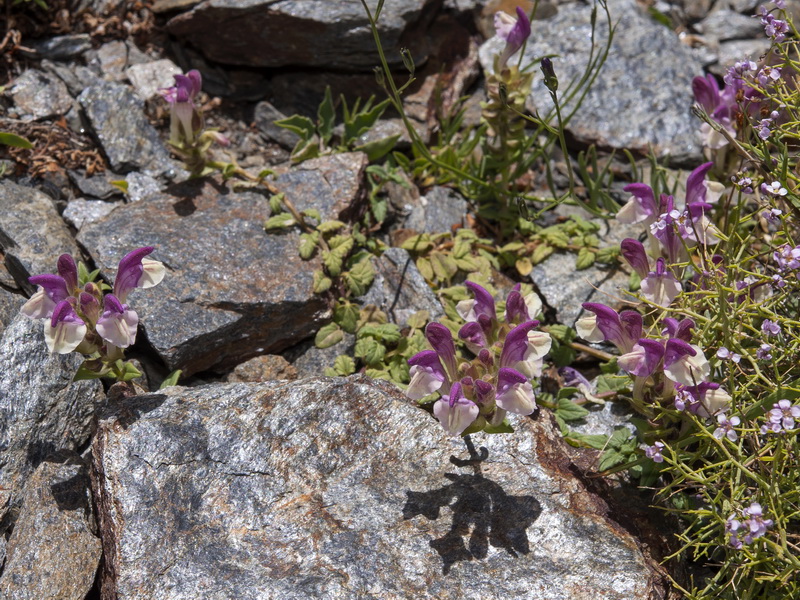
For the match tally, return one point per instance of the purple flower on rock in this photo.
(117, 325)
(635, 255)
(621, 329)
(454, 411)
(660, 286)
(65, 330)
(186, 121)
(427, 375)
(137, 271)
(514, 392)
(513, 31)
(641, 206)
(643, 359)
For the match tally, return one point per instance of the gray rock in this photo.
(147, 78)
(340, 488)
(9, 307)
(96, 186)
(53, 552)
(734, 51)
(76, 77)
(265, 117)
(80, 212)
(440, 209)
(128, 139)
(604, 419)
(565, 289)
(32, 234)
(63, 47)
(310, 361)
(141, 186)
(39, 95)
(232, 291)
(263, 368)
(333, 35)
(112, 59)
(629, 106)
(42, 410)
(333, 184)
(399, 289)
(729, 25)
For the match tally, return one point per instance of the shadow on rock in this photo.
(483, 514)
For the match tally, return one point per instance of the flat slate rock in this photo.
(53, 552)
(317, 33)
(32, 234)
(629, 105)
(127, 138)
(40, 95)
(340, 488)
(232, 291)
(334, 185)
(42, 410)
(399, 289)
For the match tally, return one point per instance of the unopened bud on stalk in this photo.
(408, 60)
(550, 79)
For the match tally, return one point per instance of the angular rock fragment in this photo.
(629, 105)
(42, 410)
(333, 35)
(340, 488)
(399, 289)
(128, 139)
(53, 551)
(333, 184)
(232, 290)
(39, 95)
(32, 234)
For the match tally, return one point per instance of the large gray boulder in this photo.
(232, 291)
(340, 488)
(314, 33)
(42, 411)
(643, 95)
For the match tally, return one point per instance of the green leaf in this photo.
(370, 350)
(129, 372)
(312, 213)
(607, 255)
(612, 383)
(579, 440)
(325, 116)
(171, 380)
(418, 243)
(330, 226)
(419, 319)
(444, 267)
(611, 458)
(504, 427)
(333, 263)
(619, 437)
(308, 244)
(302, 126)
(541, 252)
(10, 139)
(91, 369)
(386, 332)
(279, 221)
(425, 268)
(276, 203)
(321, 282)
(379, 208)
(361, 122)
(328, 335)
(569, 411)
(468, 264)
(377, 149)
(360, 277)
(344, 365)
(585, 259)
(121, 184)
(306, 149)
(346, 315)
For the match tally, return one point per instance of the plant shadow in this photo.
(483, 514)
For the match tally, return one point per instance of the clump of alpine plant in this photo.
(189, 138)
(476, 393)
(92, 318)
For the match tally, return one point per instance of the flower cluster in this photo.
(781, 417)
(79, 316)
(773, 28)
(476, 394)
(749, 526)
